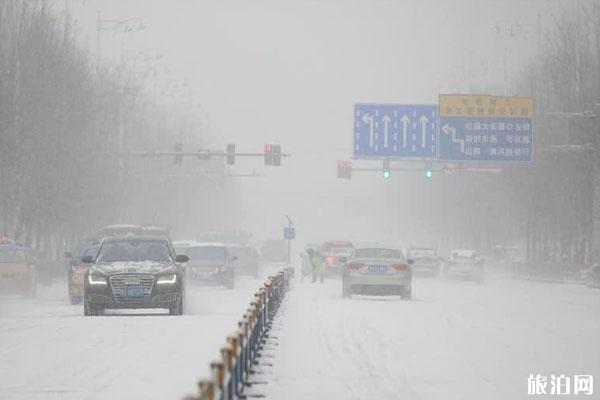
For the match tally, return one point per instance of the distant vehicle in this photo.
(120, 230)
(17, 271)
(156, 230)
(274, 251)
(247, 260)
(377, 271)
(592, 276)
(333, 252)
(426, 261)
(464, 264)
(134, 272)
(181, 246)
(77, 269)
(210, 264)
(239, 237)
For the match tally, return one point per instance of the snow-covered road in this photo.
(48, 350)
(455, 340)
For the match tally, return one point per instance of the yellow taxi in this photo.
(17, 272)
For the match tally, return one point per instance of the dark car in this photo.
(247, 260)
(134, 272)
(210, 264)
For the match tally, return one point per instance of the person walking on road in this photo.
(318, 267)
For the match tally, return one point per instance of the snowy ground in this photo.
(455, 340)
(48, 350)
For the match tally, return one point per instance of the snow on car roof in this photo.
(137, 238)
(208, 244)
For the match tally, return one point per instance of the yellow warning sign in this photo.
(483, 106)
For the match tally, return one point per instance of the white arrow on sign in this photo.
(449, 130)
(405, 120)
(424, 121)
(386, 133)
(368, 119)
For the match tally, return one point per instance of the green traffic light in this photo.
(428, 174)
(386, 174)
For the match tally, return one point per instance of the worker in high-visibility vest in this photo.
(318, 266)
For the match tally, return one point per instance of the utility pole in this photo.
(289, 240)
(595, 240)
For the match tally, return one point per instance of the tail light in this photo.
(329, 260)
(354, 266)
(401, 267)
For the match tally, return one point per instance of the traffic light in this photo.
(428, 171)
(276, 155)
(344, 169)
(230, 156)
(386, 172)
(268, 154)
(178, 148)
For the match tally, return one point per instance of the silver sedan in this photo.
(377, 271)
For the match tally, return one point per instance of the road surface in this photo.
(455, 340)
(48, 350)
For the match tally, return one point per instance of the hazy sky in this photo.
(289, 72)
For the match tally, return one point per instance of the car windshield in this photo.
(207, 254)
(377, 253)
(12, 255)
(134, 250)
(422, 253)
(341, 251)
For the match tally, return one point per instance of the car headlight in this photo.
(96, 280)
(167, 279)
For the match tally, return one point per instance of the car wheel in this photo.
(178, 309)
(90, 309)
(406, 293)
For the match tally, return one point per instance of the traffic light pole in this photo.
(289, 243)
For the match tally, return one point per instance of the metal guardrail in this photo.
(231, 374)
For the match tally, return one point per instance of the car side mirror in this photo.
(68, 254)
(410, 261)
(181, 258)
(87, 260)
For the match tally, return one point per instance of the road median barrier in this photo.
(243, 349)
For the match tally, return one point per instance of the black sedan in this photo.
(134, 272)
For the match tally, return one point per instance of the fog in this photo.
(290, 72)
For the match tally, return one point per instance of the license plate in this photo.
(377, 269)
(132, 291)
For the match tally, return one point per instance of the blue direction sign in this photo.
(485, 128)
(289, 232)
(481, 139)
(395, 130)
